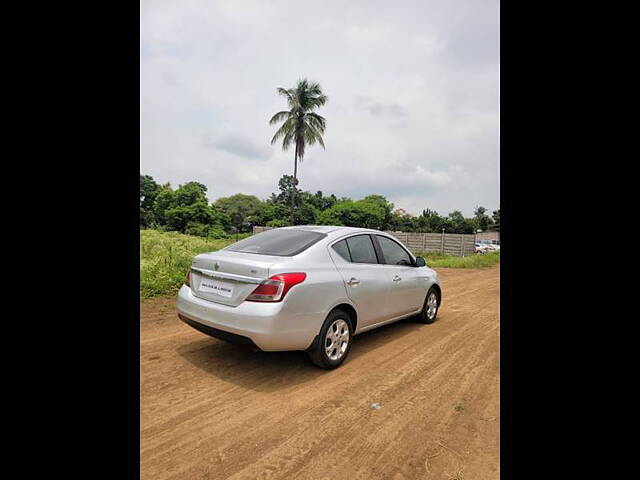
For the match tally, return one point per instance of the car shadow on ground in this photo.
(272, 371)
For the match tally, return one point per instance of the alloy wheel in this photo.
(432, 306)
(337, 339)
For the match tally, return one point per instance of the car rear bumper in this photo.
(267, 326)
(221, 334)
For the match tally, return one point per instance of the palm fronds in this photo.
(300, 124)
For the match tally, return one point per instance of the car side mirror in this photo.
(420, 262)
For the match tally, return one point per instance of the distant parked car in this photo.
(481, 248)
(491, 245)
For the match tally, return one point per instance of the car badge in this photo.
(216, 266)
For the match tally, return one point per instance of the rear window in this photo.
(280, 242)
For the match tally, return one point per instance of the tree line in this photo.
(187, 210)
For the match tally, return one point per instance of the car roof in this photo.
(331, 230)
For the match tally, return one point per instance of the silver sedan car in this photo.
(310, 288)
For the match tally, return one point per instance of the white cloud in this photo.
(413, 109)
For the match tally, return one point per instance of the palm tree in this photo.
(301, 125)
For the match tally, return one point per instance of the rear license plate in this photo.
(223, 289)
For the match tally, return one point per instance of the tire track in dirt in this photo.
(213, 410)
(402, 404)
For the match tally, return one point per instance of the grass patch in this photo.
(438, 260)
(165, 258)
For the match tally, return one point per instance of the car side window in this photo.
(393, 253)
(361, 248)
(342, 249)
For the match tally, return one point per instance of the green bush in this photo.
(216, 233)
(197, 229)
(204, 230)
(372, 211)
(165, 258)
(277, 223)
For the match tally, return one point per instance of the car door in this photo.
(356, 259)
(407, 291)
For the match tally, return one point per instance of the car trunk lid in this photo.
(229, 277)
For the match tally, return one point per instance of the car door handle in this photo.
(396, 278)
(353, 281)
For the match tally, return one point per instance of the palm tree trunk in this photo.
(295, 176)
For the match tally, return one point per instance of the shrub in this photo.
(165, 258)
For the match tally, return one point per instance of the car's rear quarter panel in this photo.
(322, 290)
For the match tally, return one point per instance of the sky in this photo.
(413, 86)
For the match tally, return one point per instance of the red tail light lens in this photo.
(276, 287)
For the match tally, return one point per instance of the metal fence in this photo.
(448, 243)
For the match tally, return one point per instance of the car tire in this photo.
(335, 328)
(429, 311)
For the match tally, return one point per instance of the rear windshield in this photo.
(280, 242)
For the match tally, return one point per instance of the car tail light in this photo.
(187, 279)
(276, 287)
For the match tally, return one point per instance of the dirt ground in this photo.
(212, 410)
